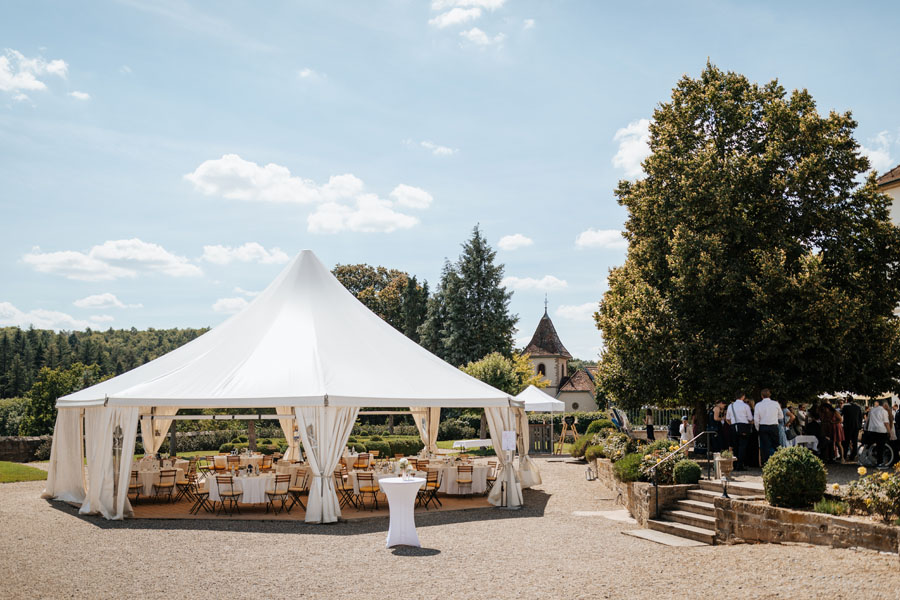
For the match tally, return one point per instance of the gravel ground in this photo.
(543, 551)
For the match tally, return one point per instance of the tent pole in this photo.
(173, 448)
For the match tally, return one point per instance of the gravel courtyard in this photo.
(543, 551)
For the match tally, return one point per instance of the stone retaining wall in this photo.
(638, 497)
(20, 448)
(743, 521)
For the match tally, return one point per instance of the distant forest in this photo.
(23, 352)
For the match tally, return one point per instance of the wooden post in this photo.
(173, 446)
(251, 435)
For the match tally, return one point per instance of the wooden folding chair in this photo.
(280, 492)
(491, 475)
(266, 463)
(428, 493)
(366, 483)
(362, 461)
(134, 486)
(225, 483)
(464, 477)
(298, 488)
(166, 484)
(345, 493)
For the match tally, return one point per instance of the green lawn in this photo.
(11, 472)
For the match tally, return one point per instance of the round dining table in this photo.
(401, 496)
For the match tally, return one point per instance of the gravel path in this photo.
(543, 551)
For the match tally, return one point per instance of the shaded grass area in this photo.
(12, 472)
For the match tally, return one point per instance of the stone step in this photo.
(703, 495)
(690, 532)
(699, 507)
(690, 518)
(734, 488)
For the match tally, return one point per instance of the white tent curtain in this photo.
(529, 474)
(100, 423)
(287, 426)
(502, 419)
(428, 421)
(154, 431)
(324, 431)
(65, 474)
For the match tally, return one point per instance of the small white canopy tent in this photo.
(536, 400)
(305, 346)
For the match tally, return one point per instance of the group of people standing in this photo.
(754, 430)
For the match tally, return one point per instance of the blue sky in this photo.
(161, 160)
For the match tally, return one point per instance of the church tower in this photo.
(548, 356)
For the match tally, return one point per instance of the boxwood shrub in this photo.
(687, 471)
(794, 478)
(580, 445)
(599, 424)
(405, 446)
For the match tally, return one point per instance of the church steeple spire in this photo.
(545, 303)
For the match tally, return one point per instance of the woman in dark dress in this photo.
(648, 421)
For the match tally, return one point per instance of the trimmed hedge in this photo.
(383, 448)
(455, 429)
(794, 478)
(406, 447)
(580, 446)
(599, 424)
(687, 471)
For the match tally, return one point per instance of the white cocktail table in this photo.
(401, 496)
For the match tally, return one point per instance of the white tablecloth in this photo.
(148, 478)
(401, 496)
(448, 480)
(256, 460)
(810, 441)
(472, 443)
(294, 471)
(254, 488)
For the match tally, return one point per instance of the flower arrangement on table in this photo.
(403, 466)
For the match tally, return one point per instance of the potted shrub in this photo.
(724, 463)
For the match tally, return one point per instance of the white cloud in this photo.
(249, 252)
(243, 292)
(480, 38)
(370, 214)
(455, 16)
(113, 259)
(39, 318)
(411, 197)
(125, 70)
(105, 300)
(879, 154)
(230, 306)
(528, 24)
(437, 149)
(601, 238)
(485, 4)
(237, 179)
(577, 312)
(545, 283)
(309, 74)
(514, 242)
(80, 95)
(102, 318)
(634, 147)
(17, 72)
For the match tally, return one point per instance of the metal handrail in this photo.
(653, 469)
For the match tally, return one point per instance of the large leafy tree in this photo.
(391, 294)
(40, 413)
(468, 316)
(509, 374)
(759, 255)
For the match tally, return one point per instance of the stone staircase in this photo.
(694, 518)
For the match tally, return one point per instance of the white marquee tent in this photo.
(535, 400)
(305, 346)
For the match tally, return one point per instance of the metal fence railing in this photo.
(661, 416)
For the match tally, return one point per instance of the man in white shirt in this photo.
(877, 430)
(766, 418)
(740, 417)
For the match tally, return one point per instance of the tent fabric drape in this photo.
(529, 474)
(287, 426)
(500, 420)
(427, 420)
(100, 423)
(154, 431)
(324, 431)
(65, 474)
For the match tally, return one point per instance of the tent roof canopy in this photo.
(304, 341)
(536, 400)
